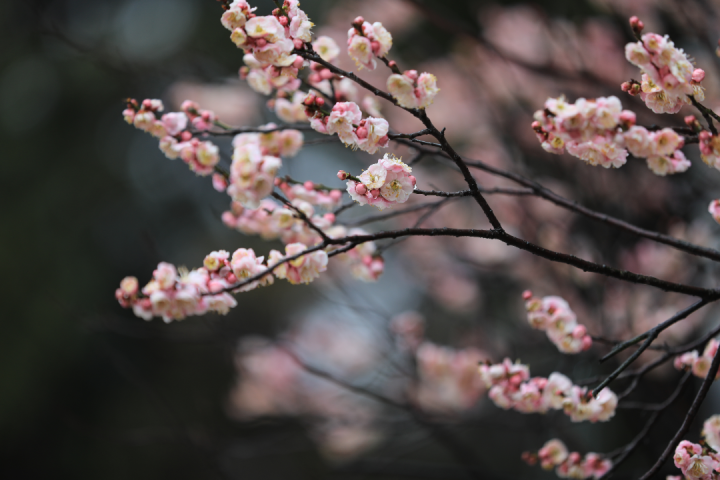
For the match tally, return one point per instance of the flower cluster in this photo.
(290, 109)
(661, 148)
(699, 364)
(710, 148)
(175, 140)
(363, 261)
(412, 90)
(668, 76)
(589, 129)
(447, 378)
(272, 38)
(272, 221)
(366, 41)
(554, 454)
(385, 183)
(266, 78)
(553, 314)
(279, 143)
(345, 120)
(175, 295)
(252, 174)
(696, 462)
(303, 269)
(511, 387)
(315, 195)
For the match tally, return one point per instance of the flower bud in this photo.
(342, 175)
(360, 189)
(698, 75)
(298, 44)
(309, 186)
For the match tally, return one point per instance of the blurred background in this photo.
(88, 391)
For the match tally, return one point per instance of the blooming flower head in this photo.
(303, 269)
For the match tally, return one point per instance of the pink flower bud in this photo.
(358, 20)
(579, 331)
(260, 42)
(689, 120)
(147, 104)
(625, 86)
(298, 63)
(185, 136)
(231, 278)
(375, 45)
(326, 74)
(627, 117)
(361, 133)
(574, 457)
(635, 89)
(392, 64)
(586, 343)
(342, 175)
(374, 193)
(330, 217)
(336, 195)
(527, 295)
(360, 189)
(298, 44)
(309, 186)
(698, 75)
(309, 100)
(636, 24)
(283, 21)
(411, 74)
(319, 101)
(412, 179)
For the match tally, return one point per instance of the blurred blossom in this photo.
(234, 103)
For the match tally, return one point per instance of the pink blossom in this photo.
(303, 269)
(326, 48)
(343, 119)
(383, 184)
(714, 210)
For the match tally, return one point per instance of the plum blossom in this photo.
(362, 261)
(668, 76)
(710, 148)
(291, 110)
(385, 183)
(661, 148)
(714, 210)
(590, 129)
(554, 454)
(511, 387)
(346, 121)
(279, 143)
(366, 41)
(412, 90)
(698, 364)
(303, 269)
(695, 462)
(447, 379)
(175, 294)
(252, 175)
(553, 314)
(327, 48)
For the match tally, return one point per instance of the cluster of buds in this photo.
(412, 90)
(363, 261)
(320, 73)
(553, 314)
(279, 143)
(447, 378)
(668, 75)
(303, 269)
(366, 41)
(590, 129)
(175, 295)
(316, 195)
(270, 39)
(288, 108)
(696, 462)
(385, 183)
(661, 148)
(554, 454)
(699, 364)
(266, 78)
(710, 148)
(511, 387)
(345, 120)
(252, 174)
(175, 140)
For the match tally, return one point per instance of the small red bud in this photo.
(309, 185)
(527, 295)
(319, 101)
